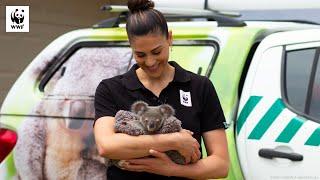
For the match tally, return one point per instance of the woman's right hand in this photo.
(188, 146)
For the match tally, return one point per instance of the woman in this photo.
(156, 81)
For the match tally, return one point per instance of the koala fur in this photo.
(52, 149)
(52, 146)
(144, 119)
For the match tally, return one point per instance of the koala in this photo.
(53, 146)
(151, 118)
(17, 16)
(57, 148)
(145, 119)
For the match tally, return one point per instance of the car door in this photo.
(277, 128)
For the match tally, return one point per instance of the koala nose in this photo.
(152, 125)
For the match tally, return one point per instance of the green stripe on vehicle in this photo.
(314, 139)
(267, 120)
(290, 130)
(246, 110)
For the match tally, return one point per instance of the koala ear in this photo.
(167, 110)
(139, 107)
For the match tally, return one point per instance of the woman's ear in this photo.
(170, 39)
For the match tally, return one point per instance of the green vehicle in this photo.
(266, 75)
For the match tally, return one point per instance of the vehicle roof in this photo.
(195, 30)
(271, 25)
(250, 24)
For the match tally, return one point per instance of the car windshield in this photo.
(307, 15)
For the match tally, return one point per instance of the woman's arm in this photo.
(216, 165)
(122, 146)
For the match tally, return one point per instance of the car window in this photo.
(80, 74)
(193, 57)
(85, 68)
(314, 110)
(299, 76)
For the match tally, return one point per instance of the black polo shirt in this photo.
(192, 96)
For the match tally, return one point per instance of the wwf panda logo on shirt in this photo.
(185, 98)
(17, 16)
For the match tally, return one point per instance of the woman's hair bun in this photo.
(140, 5)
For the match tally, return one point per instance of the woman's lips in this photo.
(153, 68)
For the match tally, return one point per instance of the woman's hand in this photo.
(159, 164)
(188, 146)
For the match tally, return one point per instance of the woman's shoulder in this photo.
(111, 82)
(189, 75)
(198, 79)
(201, 84)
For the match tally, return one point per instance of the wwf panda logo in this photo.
(17, 16)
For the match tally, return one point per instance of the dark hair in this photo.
(143, 19)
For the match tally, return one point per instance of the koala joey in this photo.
(144, 119)
(151, 118)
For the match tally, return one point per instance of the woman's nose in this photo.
(150, 61)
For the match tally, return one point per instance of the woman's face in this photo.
(151, 52)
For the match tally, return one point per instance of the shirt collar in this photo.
(132, 82)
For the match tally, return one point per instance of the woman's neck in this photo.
(156, 85)
(166, 76)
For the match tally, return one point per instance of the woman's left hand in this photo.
(159, 164)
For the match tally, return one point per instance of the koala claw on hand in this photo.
(176, 157)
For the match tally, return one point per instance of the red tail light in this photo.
(8, 139)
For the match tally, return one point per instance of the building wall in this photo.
(48, 20)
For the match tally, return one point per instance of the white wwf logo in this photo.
(185, 98)
(17, 18)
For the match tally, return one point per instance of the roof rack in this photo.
(223, 19)
(169, 10)
(112, 22)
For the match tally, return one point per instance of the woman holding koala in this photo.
(156, 81)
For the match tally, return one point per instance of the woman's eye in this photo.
(140, 56)
(156, 53)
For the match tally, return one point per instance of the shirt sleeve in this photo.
(212, 113)
(104, 104)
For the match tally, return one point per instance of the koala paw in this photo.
(132, 128)
(176, 157)
(125, 116)
(172, 124)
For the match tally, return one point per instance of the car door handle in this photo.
(270, 153)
